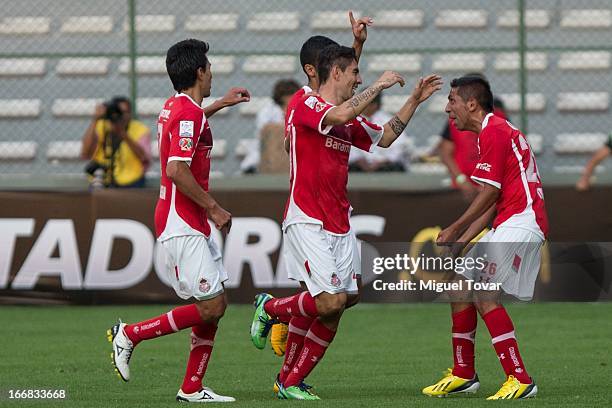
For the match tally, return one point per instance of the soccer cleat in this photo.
(122, 350)
(262, 322)
(303, 385)
(514, 389)
(278, 338)
(297, 392)
(451, 384)
(204, 395)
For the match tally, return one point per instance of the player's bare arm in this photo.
(424, 88)
(481, 204)
(90, 137)
(360, 32)
(233, 97)
(180, 174)
(585, 180)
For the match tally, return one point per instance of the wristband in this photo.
(460, 179)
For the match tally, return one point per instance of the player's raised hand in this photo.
(447, 237)
(360, 26)
(221, 218)
(390, 78)
(425, 87)
(235, 96)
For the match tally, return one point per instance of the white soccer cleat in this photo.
(204, 395)
(122, 350)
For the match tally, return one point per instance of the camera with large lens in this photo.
(113, 111)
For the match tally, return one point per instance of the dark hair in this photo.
(284, 87)
(183, 60)
(309, 54)
(117, 99)
(475, 87)
(334, 55)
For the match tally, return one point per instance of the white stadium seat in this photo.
(270, 64)
(74, 107)
(575, 169)
(332, 20)
(153, 23)
(64, 150)
(586, 18)
(510, 61)
(219, 148)
(222, 64)
(575, 143)
(536, 142)
(25, 25)
(583, 101)
(212, 22)
(459, 62)
(536, 102)
(145, 65)
(149, 106)
(437, 103)
(10, 67)
(83, 66)
(244, 146)
(399, 18)
(585, 60)
(289, 21)
(20, 108)
(88, 24)
(255, 105)
(395, 62)
(18, 150)
(533, 19)
(393, 103)
(461, 19)
(427, 168)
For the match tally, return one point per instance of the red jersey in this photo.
(295, 99)
(507, 162)
(319, 164)
(184, 135)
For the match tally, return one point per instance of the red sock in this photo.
(502, 333)
(300, 305)
(464, 333)
(316, 342)
(202, 340)
(298, 328)
(173, 321)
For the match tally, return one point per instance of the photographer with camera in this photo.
(118, 147)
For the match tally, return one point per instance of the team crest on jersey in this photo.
(311, 102)
(319, 106)
(204, 285)
(186, 143)
(186, 128)
(335, 280)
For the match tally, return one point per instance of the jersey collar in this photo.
(485, 121)
(188, 97)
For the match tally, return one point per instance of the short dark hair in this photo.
(284, 87)
(334, 55)
(117, 99)
(475, 87)
(183, 60)
(309, 54)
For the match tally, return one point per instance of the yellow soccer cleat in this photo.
(514, 389)
(278, 338)
(451, 384)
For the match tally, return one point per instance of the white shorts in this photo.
(325, 262)
(512, 258)
(194, 266)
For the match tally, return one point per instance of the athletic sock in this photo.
(300, 305)
(298, 328)
(464, 333)
(202, 340)
(173, 321)
(502, 334)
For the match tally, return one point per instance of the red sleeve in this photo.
(493, 152)
(185, 134)
(365, 135)
(310, 112)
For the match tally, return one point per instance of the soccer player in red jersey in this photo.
(320, 247)
(512, 194)
(193, 260)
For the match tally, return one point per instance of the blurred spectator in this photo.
(118, 147)
(267, 153)
(380, 160)
(587, 175)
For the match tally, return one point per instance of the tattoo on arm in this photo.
(356, 100)
(396, 125)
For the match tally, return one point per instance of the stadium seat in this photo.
(219, 148)
(536, 102)
(255, 105)
(244, 146)
(222, 64)
(395, 62)
(64, 150)
(459, 62)
(582, 18)
(145, 65)
(25, 25)
(87, 24)
(212, 22)
(589, 60)
(510, 61)
(399, 18)
(149, 106)
(153, 23)
(536, 142)
(74, 107)
(331, 20)
(533, 19)
(20, 108)
(18, 150)
(278, 21)
(461, 19)
(270, 64)
(575, 143)
(392, 103)
(427, 168)
(10, 67)
(574, 169)
(583, 101)
(83, 66)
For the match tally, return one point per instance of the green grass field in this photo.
(382, 356)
